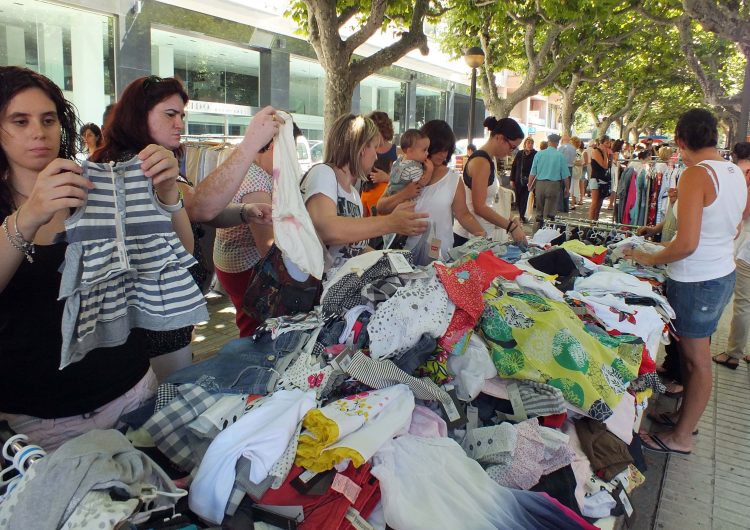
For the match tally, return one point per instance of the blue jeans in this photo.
(699, 305)
(244, 366)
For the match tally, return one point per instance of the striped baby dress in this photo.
(124, 266)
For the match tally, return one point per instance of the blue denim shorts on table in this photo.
(699, 305)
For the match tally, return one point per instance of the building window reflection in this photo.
(307, 96)
(73, 47)
(384, 94)
(430, 105)
(212, 71)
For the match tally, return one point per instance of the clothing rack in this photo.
(602, 225)
(212, 140)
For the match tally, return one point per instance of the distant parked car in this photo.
(304, 153)
(316, 151)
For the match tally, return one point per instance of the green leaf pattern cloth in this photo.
(538, 339)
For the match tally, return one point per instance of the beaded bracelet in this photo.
(17, 241)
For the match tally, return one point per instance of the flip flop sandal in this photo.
(664, 420)
(730, 365)
(661, 447)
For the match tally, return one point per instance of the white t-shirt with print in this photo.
(321, 179)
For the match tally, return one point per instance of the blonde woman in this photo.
(333, 202)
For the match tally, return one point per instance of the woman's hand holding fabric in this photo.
(159, 164)
(262, 129)
(58, 186)
(637, 255)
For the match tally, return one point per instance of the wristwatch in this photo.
(171, 208)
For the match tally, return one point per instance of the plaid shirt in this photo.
(170, 426)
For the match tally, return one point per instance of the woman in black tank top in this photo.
(600, 179)
(39, 185)
(479, 174)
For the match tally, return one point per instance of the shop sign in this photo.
(210, 107)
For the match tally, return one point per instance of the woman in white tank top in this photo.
(712, 197)
(443, 197)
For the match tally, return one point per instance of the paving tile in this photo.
(729, 507)
(668, 519)
(724, 519)
(732, 469)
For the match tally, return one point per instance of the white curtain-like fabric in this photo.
(293, 229)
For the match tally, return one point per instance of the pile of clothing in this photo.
(478, 385)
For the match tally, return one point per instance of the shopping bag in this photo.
(503, 206)
(530, 206)
(276, 288)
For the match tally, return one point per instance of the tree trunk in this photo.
(336, 54)
(569, 107)
(568, 116)
(338, 96)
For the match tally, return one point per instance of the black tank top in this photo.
(30, 344)
(482, 154)
(597, 171)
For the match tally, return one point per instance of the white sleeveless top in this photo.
(714, 256)
(437, 200)
(488, 227)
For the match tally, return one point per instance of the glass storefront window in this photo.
(387, 95)
(307, 96)
(212, 71)
(430, 105)
(73, 47)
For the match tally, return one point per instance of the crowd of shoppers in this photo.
(42, 184)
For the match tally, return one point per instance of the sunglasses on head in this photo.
(151, 81)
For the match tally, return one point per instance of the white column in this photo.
(87, 38)
(162, 61)
(50, 49)
(15, 46)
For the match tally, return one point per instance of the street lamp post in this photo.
(474, 58)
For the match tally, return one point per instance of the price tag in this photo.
(342, 361)
(435, 245)
(357, 521)
(626, 503)
(346, 487)
(399, 263)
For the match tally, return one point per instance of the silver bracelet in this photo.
(17, 241)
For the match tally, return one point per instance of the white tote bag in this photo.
(502, 205)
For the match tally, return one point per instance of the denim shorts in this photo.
(244, 366)
(699, 305)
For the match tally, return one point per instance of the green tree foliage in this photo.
(538, 40)
(336, 29)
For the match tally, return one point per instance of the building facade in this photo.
(234, 56)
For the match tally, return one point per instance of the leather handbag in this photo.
(273, 292)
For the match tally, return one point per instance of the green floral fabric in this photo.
(534, 338)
